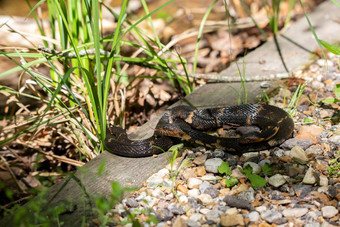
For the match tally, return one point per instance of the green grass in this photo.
(82, 82)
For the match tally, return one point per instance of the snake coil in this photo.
(259, 127)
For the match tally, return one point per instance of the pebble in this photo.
(329, 211)
(213, 217)
(303, 143)
(299, 155)
(335, 139)
(294, 212)
(205, 199)
(232, 220)
(193, 183)
(254, 216)
(212, 164)
(277, 180)
(309, 177)
(273, 216)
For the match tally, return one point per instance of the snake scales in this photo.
(269, 126)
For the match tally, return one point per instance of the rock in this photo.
(213, 192)
(200, 171)
(246, 156)
(205, 199)
(212, 164)
(302, 190)
(212, 217)
(256, 167)
(209, 177)
(323, 180)
(131, 202)
(163, 215)
(182, 188)
(232, 220)
(196, 217)
(299, 155)
(183, 199)
(294, 212)
(304, 144)
(194, 193)
(218, 153)
(329, 211)
(273, 216)
(192, 223)
(309, 177)
(179, 222)
(324, 62)
(200, 159)
(193, 183)
(277, 180)
(254, 216)
(248, 195)
(237, 202)
(189, 173)
(193, 203)
(314, 150)
(176, 209)
(335, 139)
(157, 193)
(309, 132)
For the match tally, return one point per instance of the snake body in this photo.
(259, 127)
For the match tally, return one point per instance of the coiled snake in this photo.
(269, 126)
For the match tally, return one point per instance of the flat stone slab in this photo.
(130, 172)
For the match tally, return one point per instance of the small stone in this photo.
(335, 139)
(231, 211)
(309, 132)
(200, 159)
(183, 199)
(232, 220)
(329, 211)
(205, 199)
(254, 216)
(213, 192)
(299, 155)
(218, 153)
(324, 62)
(189, 173)
(192, 223)
(182, 188)
(246, 156)
(256, 167)
(163, 215)
(294, 212)
(209, 177)
(248, 195)
(213, 217)
(193, 183)
(194, 193)
(157, 193)
(323, 180)
(196, 217)
(179, 222)
(131, 202)
(200, 171)
(277, 180)
(212, 164)
(304, 144)
(273, 216)
(309, 177)
(176, 209)
(314, 150)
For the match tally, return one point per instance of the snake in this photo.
(257, 127)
